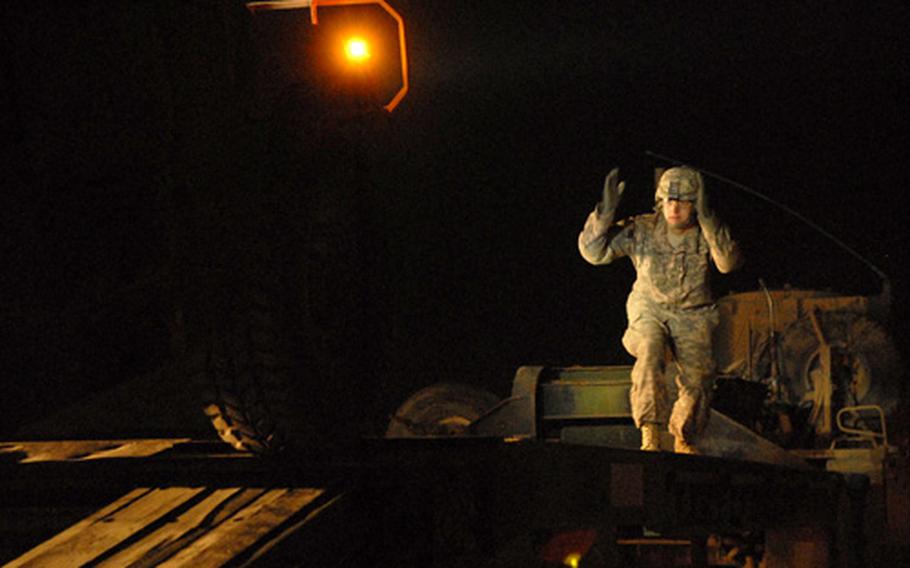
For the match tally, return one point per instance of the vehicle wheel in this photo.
(248, 378)
(443, 409)
(866, 364)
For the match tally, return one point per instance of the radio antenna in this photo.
(886, 284)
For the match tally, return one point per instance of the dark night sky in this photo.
(478, 188)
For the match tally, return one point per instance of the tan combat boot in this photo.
(680, 446)
(650, 437)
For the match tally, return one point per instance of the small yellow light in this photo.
(357, 50)
(572, 560)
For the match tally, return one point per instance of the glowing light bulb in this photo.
(357, 50)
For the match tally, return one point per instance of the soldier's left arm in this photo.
(724, 250)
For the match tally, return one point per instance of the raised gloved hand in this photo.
(724, 250)
(613, 189)
(706, 219)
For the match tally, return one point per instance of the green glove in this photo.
(706, 219)
(612, 193)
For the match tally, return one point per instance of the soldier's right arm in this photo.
(602, 241)
(594, 240)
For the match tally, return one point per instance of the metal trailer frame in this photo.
(419, 502)
(549, 476)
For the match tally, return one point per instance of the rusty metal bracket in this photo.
(822, 385)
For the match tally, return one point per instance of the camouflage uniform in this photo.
(670, 306)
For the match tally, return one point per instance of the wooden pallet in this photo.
(182, 526)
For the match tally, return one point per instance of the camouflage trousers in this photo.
(654, 332)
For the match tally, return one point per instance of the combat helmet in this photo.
(680, 183)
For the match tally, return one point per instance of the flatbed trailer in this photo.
(464, 501)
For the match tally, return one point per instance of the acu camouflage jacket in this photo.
(673, 276)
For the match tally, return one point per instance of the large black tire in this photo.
(291, 347)
(870, 363)
(249, 376)
(443, 409)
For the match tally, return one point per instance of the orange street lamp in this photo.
(357, 50)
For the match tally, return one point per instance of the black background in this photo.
(121, 119)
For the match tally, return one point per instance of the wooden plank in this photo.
(28, 558)
(77, 450)
(234, 536)
(179, 532)
(135, 449)
(107, 527)
(327, 533)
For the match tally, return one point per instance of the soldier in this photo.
(670, 305)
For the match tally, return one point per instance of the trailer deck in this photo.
(411, 502)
